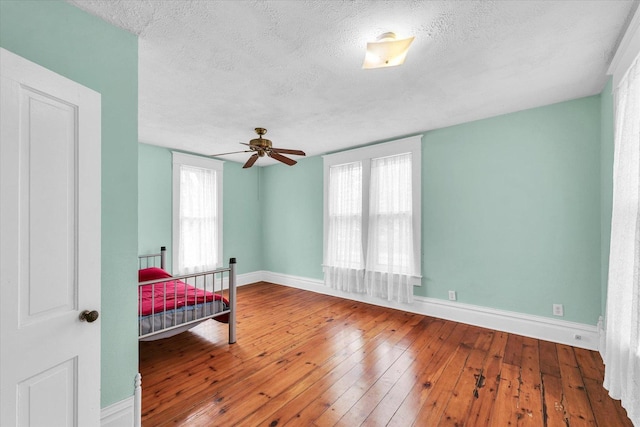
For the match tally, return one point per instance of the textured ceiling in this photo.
(211, 71)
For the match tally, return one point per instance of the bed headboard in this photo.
(153, 260)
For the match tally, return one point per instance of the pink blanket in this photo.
(178, 294)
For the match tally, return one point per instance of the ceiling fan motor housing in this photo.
(261, 145)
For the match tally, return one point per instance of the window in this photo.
(372, 219)
(197, 213)
(345, 216)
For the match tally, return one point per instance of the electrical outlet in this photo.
(558, 310)
(452, 296)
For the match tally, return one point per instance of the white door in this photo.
(49, 247)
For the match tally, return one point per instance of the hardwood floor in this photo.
(306, 359)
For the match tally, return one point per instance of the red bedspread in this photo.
(178, 294)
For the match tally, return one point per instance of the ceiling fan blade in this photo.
(233, 152)
(282, 158)
(288, 151)
(251, 161)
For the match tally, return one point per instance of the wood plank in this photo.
(481, 407)
(553, 398)
(604, 408)
(438, 357)
(393, 334)
(577, 405)
(275, 412)
(356, 390)
(360, 411)
(325, 360)
(273, 364)
(194, 373)
(386, 351)
(588, 365)
(505, 411)
(314, 401)
(462, 396)
(262, 357)
(382, 413)
(549, 358)
(530, 396)
(513, 351)
(597, 360)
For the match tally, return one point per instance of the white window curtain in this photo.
(622, 349)
(197, 213)
(344, 259)
(197, 245)
(390, 263)
(372, 219)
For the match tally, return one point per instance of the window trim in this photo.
(179, 159)
(413, 145)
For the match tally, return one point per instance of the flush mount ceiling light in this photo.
(386, 51)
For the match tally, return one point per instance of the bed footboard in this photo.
(168, 305)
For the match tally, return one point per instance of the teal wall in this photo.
(292, 199)
(242, 222)
(511, 212)
(257, 230)
(606, 184)
(154, 200)
(84, 48)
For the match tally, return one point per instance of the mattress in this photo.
(167, 319)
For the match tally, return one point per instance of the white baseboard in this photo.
(127, 412)
(245, 279)
(248, 278)
(120, 414)
(539, 327)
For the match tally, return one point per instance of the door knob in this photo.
(89, 316)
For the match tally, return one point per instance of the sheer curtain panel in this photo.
(390, 263)
(197, 245)
(196, 213)
(344, 259)
(622, 350)
(372, 203)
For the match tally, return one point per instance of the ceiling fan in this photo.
(261, 146)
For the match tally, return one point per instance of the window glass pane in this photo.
(344, 240)
(390, 214)
(198, 219)
(345, 189)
